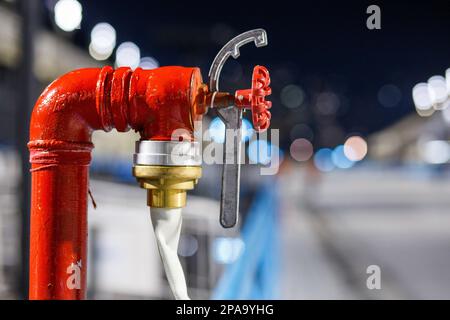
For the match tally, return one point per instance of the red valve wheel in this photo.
(255, 98)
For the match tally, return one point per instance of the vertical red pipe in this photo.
(152, 102)
(59, 226)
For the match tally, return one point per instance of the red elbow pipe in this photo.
(152, 102)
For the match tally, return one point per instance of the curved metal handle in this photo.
(258, 36)
(232, 117)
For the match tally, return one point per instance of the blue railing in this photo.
(254, 275)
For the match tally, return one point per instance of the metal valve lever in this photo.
(232, 117)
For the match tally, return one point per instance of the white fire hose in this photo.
(167, 225)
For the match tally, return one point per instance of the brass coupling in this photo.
(167, 185)
(167, 169)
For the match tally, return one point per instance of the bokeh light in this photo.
(259, 151)
(421, 97)
(301, 149)
(292, 96)
(323, 160)
(247, 130)
(262, 151)
(227, 250)
(128, 55)
(148, 63)
(355, 148)
(339, 158)
(188, 245)
(327, 103)
(217, 130)
(389, 96)
(435, 151)
(68, 14)
(103, 41)
(437, 89)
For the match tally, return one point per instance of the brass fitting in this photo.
(204, 100)
(167, 185)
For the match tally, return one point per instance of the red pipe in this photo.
(152, 102)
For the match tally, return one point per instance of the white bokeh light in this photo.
(437, 89)
(97, 55)
(128, 55)
(68, 14)
(148, 63)
(355, 148)
(421, 97)
(103, 41)
(227, 250)
(436, 151)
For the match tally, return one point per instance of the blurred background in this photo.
(364, 177)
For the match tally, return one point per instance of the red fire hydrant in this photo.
(154, 103)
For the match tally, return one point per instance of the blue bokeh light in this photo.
(263, 152)
(247, 130)
(323, 160)
(259, 151)
(217, 130)
(227, 250)
(339, 158)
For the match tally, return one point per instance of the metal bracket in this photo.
(232, 117)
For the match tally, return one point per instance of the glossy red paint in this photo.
(255, 98)
(153, 102)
